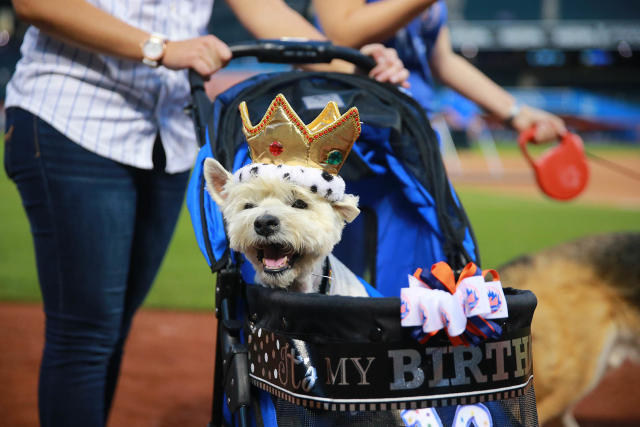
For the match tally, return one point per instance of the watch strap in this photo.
(155, 38)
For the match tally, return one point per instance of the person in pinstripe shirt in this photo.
(100, 149)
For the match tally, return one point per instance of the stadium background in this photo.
(577, 58)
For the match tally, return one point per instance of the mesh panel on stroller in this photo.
(317, 360)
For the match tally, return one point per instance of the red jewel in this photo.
(276, 148)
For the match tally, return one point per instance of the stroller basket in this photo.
(347, 361)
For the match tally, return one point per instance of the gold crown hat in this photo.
(282, 145)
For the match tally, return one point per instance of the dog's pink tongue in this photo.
(275, 263)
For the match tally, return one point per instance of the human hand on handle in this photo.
(208, 54)
(389, 67)
(205, 55)
(548, 127)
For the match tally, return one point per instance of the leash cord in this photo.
(614, 166)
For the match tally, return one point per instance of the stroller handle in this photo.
(292, 51)
(284, 51)
(300, 51)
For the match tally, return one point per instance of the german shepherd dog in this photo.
(588, 316)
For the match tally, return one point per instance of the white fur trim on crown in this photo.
(331, 187)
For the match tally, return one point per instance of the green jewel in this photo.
(334, 157)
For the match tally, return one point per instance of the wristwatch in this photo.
(153, 49)
(513, 112)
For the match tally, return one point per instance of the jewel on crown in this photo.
(281, 137)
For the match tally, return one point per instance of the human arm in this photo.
(271, 19)
(460, 75)
(94, 29)
(355, 22)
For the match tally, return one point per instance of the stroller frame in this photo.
(231, 360)
(232, 378)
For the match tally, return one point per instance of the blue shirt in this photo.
(415, 43)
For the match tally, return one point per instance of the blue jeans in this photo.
(100, 231)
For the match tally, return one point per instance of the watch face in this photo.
(152, 49)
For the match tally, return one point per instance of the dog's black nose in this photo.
(266, 225)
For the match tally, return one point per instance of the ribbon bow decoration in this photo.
(462, 307)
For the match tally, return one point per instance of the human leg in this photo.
(160, 197)
(82, 211)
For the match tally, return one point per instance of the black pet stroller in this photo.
(290, 359)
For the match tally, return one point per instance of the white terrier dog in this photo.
(286, 230)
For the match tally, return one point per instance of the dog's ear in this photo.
(347, 208)
(216, 176)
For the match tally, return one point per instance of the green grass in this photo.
(505, 227)
(184, 280)
(18, 277)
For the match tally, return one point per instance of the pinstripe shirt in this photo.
(110, 106)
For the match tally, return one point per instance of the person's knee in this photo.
(72, 341)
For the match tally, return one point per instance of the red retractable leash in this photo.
(561, 171)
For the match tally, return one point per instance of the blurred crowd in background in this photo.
(579, 59)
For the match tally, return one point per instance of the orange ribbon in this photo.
(445, 275)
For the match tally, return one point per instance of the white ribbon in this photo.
(434, 309)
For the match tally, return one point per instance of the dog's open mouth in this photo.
(276, 258)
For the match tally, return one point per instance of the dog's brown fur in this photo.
(588, 315)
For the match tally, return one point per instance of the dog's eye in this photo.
(299, 204)
(249, 206)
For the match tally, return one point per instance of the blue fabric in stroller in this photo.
(408, 206)
(411, 218)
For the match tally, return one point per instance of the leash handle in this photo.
(524, 138)
(561, 171)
